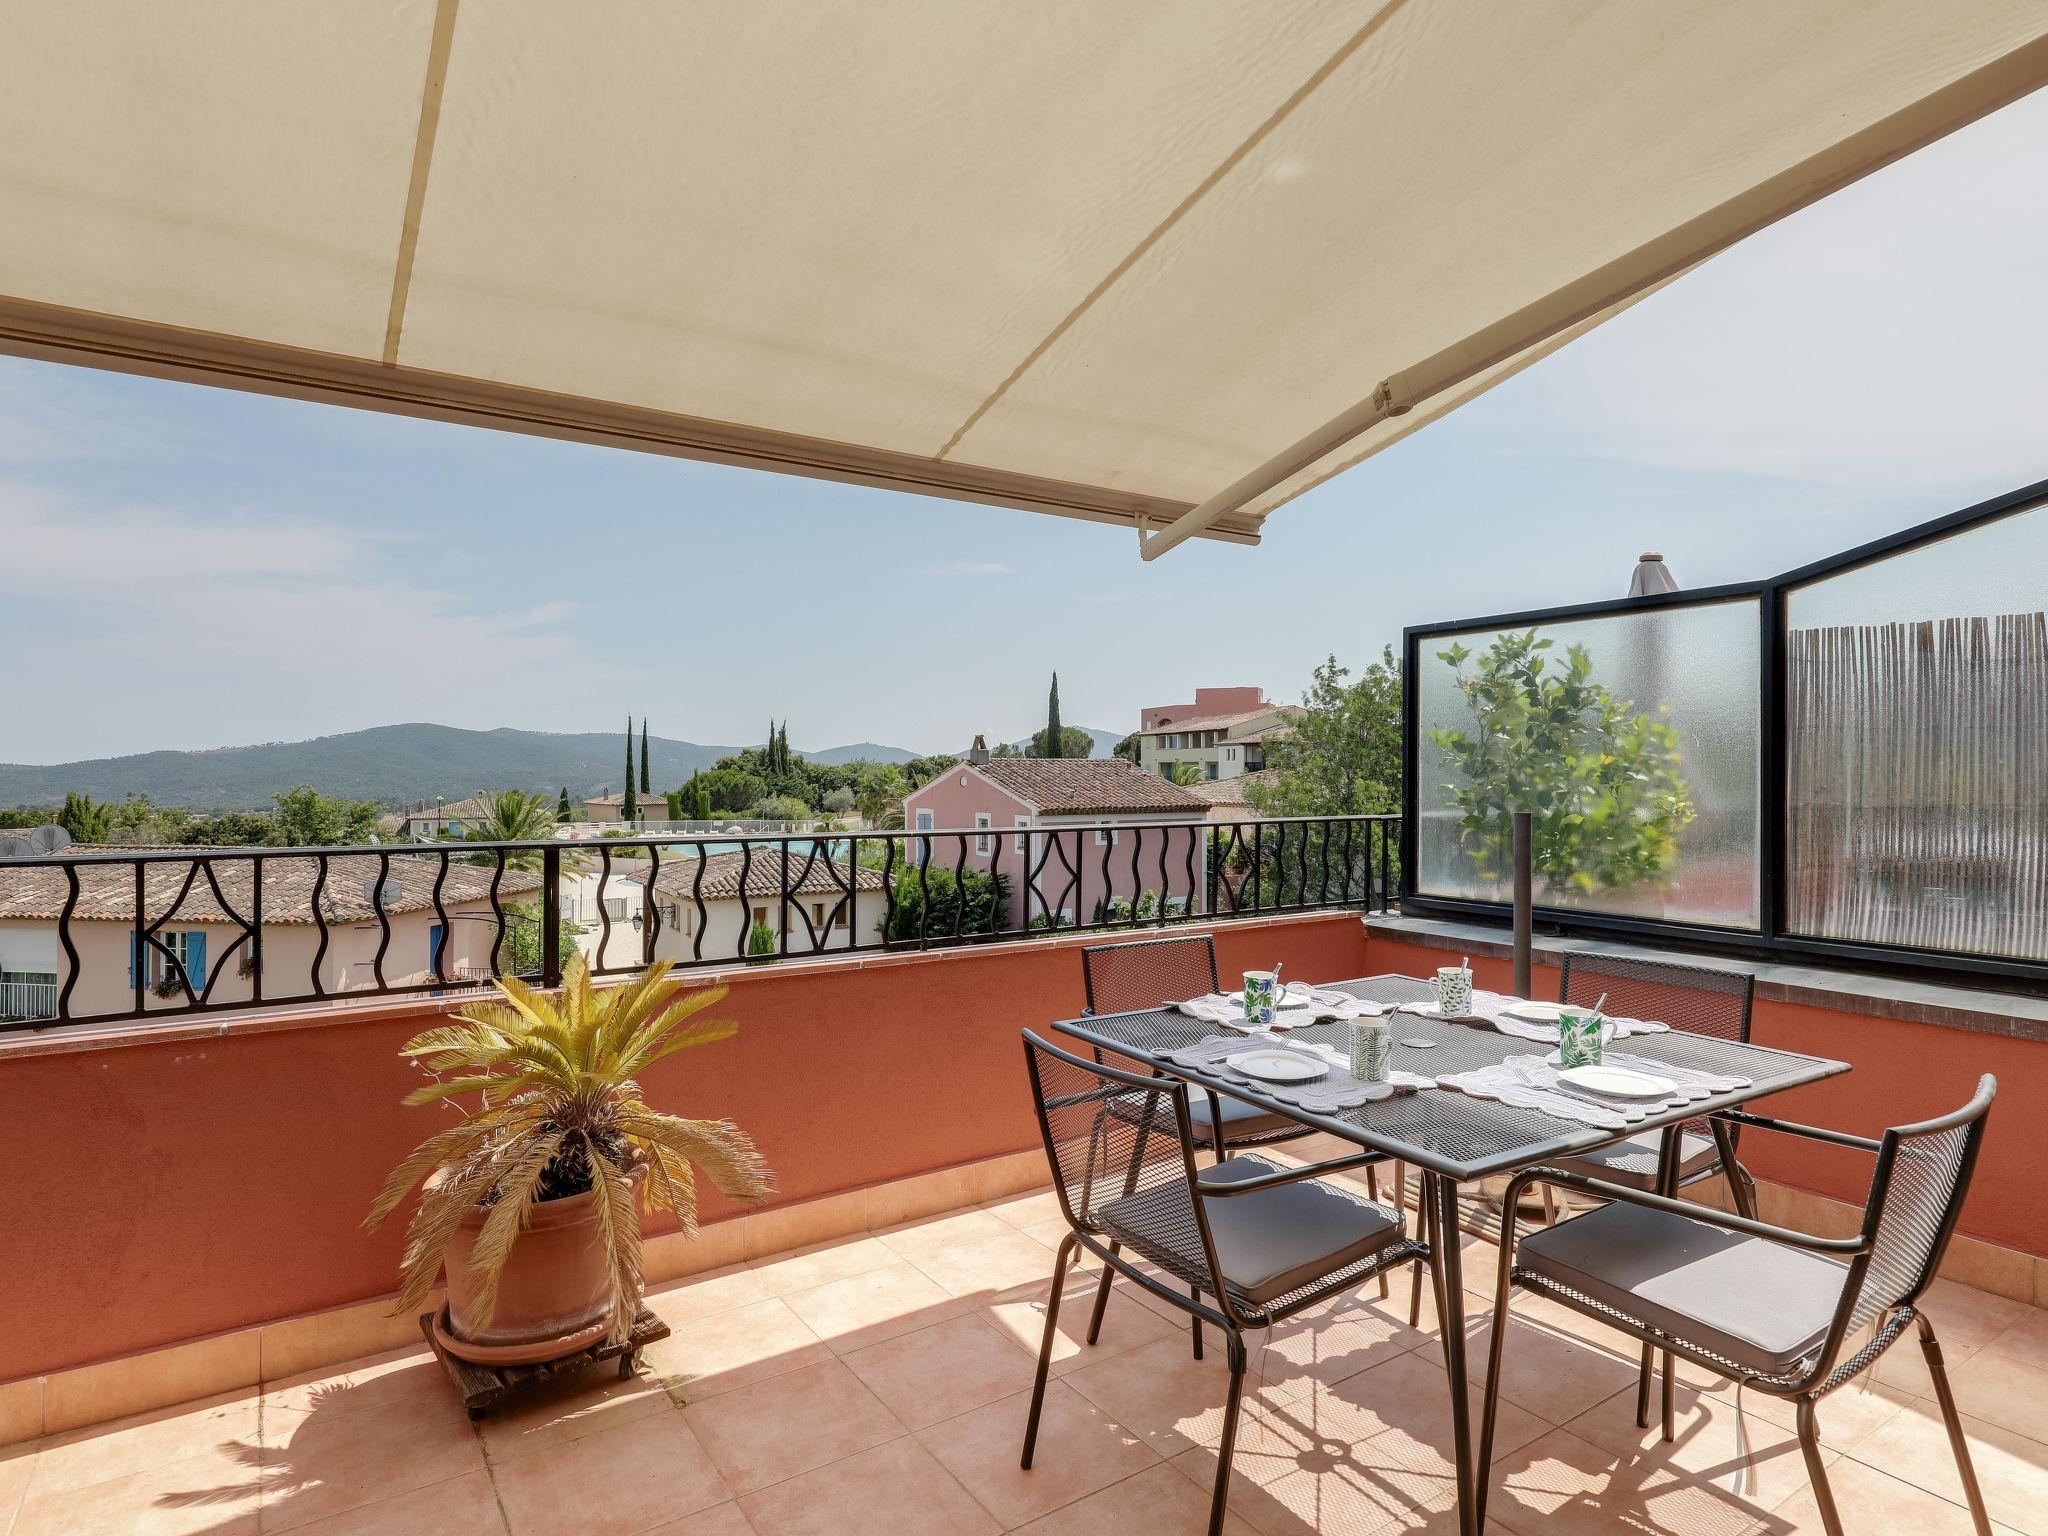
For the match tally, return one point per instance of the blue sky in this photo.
(183, 567)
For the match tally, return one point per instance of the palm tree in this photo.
(513, 816)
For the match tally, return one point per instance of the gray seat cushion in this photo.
(1763, 1305)
(1633, 1160)
(1269, 1242)
(1239, 1119)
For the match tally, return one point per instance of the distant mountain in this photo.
(392, 764)
(1105, 741)
(874, 752)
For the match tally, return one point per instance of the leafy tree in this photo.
(1010, 749)
(232, 829)
(1182, 774)
(1601, 778)
(699, 805)
(646, 786)
(308, 819)
(1343, 756)
(879, 793)
(673, 798)
(1074, 742)
(781, 808)
(562, 812)
(1127, 749)
(986, 902)
(920, 771)
(732, 790)
(1052, 741)
(522, 951)
(85, 821)
(838, 801)
(761, 946)
(511, 816)
(138, 820)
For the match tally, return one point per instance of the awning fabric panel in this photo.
(1103, 260)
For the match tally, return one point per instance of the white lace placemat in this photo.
(1530, 1082)
(1297, 1005)
(1340, 1090)
(1492, 1007)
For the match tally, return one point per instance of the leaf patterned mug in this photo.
(1261, 993)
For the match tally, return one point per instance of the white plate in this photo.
(1277, 1066)
(1618, 1082)
(1535, 1013)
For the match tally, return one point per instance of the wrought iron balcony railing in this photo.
(164, 934)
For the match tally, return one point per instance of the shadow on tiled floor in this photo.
(877, 1385)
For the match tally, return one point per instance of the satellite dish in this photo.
(49, 839)
(15, 848)
(391, 890)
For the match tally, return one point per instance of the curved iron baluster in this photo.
(1165, 837)
(1323, 890)
(1137, 880)
(888, 891)
(1193, 837)
(256, 917)
(959, 886)
(846, 888)
(1344, 898)
(810, 863)
(746, 897)
(998, 916)
(1301, 864)
(604, 916)
(384, 921)
(1386, 865)
(703, 912)
(1034, 876)
(650, 906)
(502, 926)
(149, 934)
(924, 894)
(248, 931)
(319, 921)
(64, 938)
(1108, 847)
(440, 951)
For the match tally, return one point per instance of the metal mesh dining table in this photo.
(1453, 1137)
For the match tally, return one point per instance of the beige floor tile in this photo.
(2012, 1469)
(1869, 1500)
(1348, 1491)
(1713, 1445)
(1555, 1375)
(622, 1480)
(891, 1490)
(915, 1240)
(1332, 1342)
(990, 1265)
(204, 1368)
(1171, 1400)
(705, 1295)
(321, 1340)
(767, 1233)
(21, 1410)
(223, 1427)
(206, 1494)
(1407, 1400)
(777, 1429)
(719, 1520)
(1034, 1209)
(1967, 1319)
(1561, 1485)
(926, 1194)
(569, 1408)
(865, 1309)
(808, 1268)
(2025, 1341)
(1125, 1323)
(2002, 1391)
(950, 1368)
(381, 1381)
(462, 1506)
(320, 1463)
(1080, 1450)
(729, 1350)
(1846, 1416)
(17, 1466)
(1156, 1502)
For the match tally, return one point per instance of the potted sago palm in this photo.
(530, 1203)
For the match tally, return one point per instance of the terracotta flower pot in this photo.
(554, 1297)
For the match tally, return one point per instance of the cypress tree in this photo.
(1054, 746)
(562, 805)
(631, 808)
(646, 788)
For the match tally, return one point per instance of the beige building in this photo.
(203, 930)
(1220, 746)
(1230, 799)
(815, 913)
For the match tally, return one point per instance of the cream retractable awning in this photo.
(1163, 264)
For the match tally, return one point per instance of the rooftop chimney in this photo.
(978, 753)
(1651, 576)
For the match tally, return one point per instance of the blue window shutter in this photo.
(134, 954)
(195, 960)
(437, 936)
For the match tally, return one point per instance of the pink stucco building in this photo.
(1087, 829)
(1208, 701)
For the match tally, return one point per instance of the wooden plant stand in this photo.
(483, 1387)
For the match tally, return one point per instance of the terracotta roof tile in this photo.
(807, 877)
(1075, 786)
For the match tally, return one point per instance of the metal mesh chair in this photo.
(1769, 1307)
(1253, 1241)
(1119, 978)
(1688, 997)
